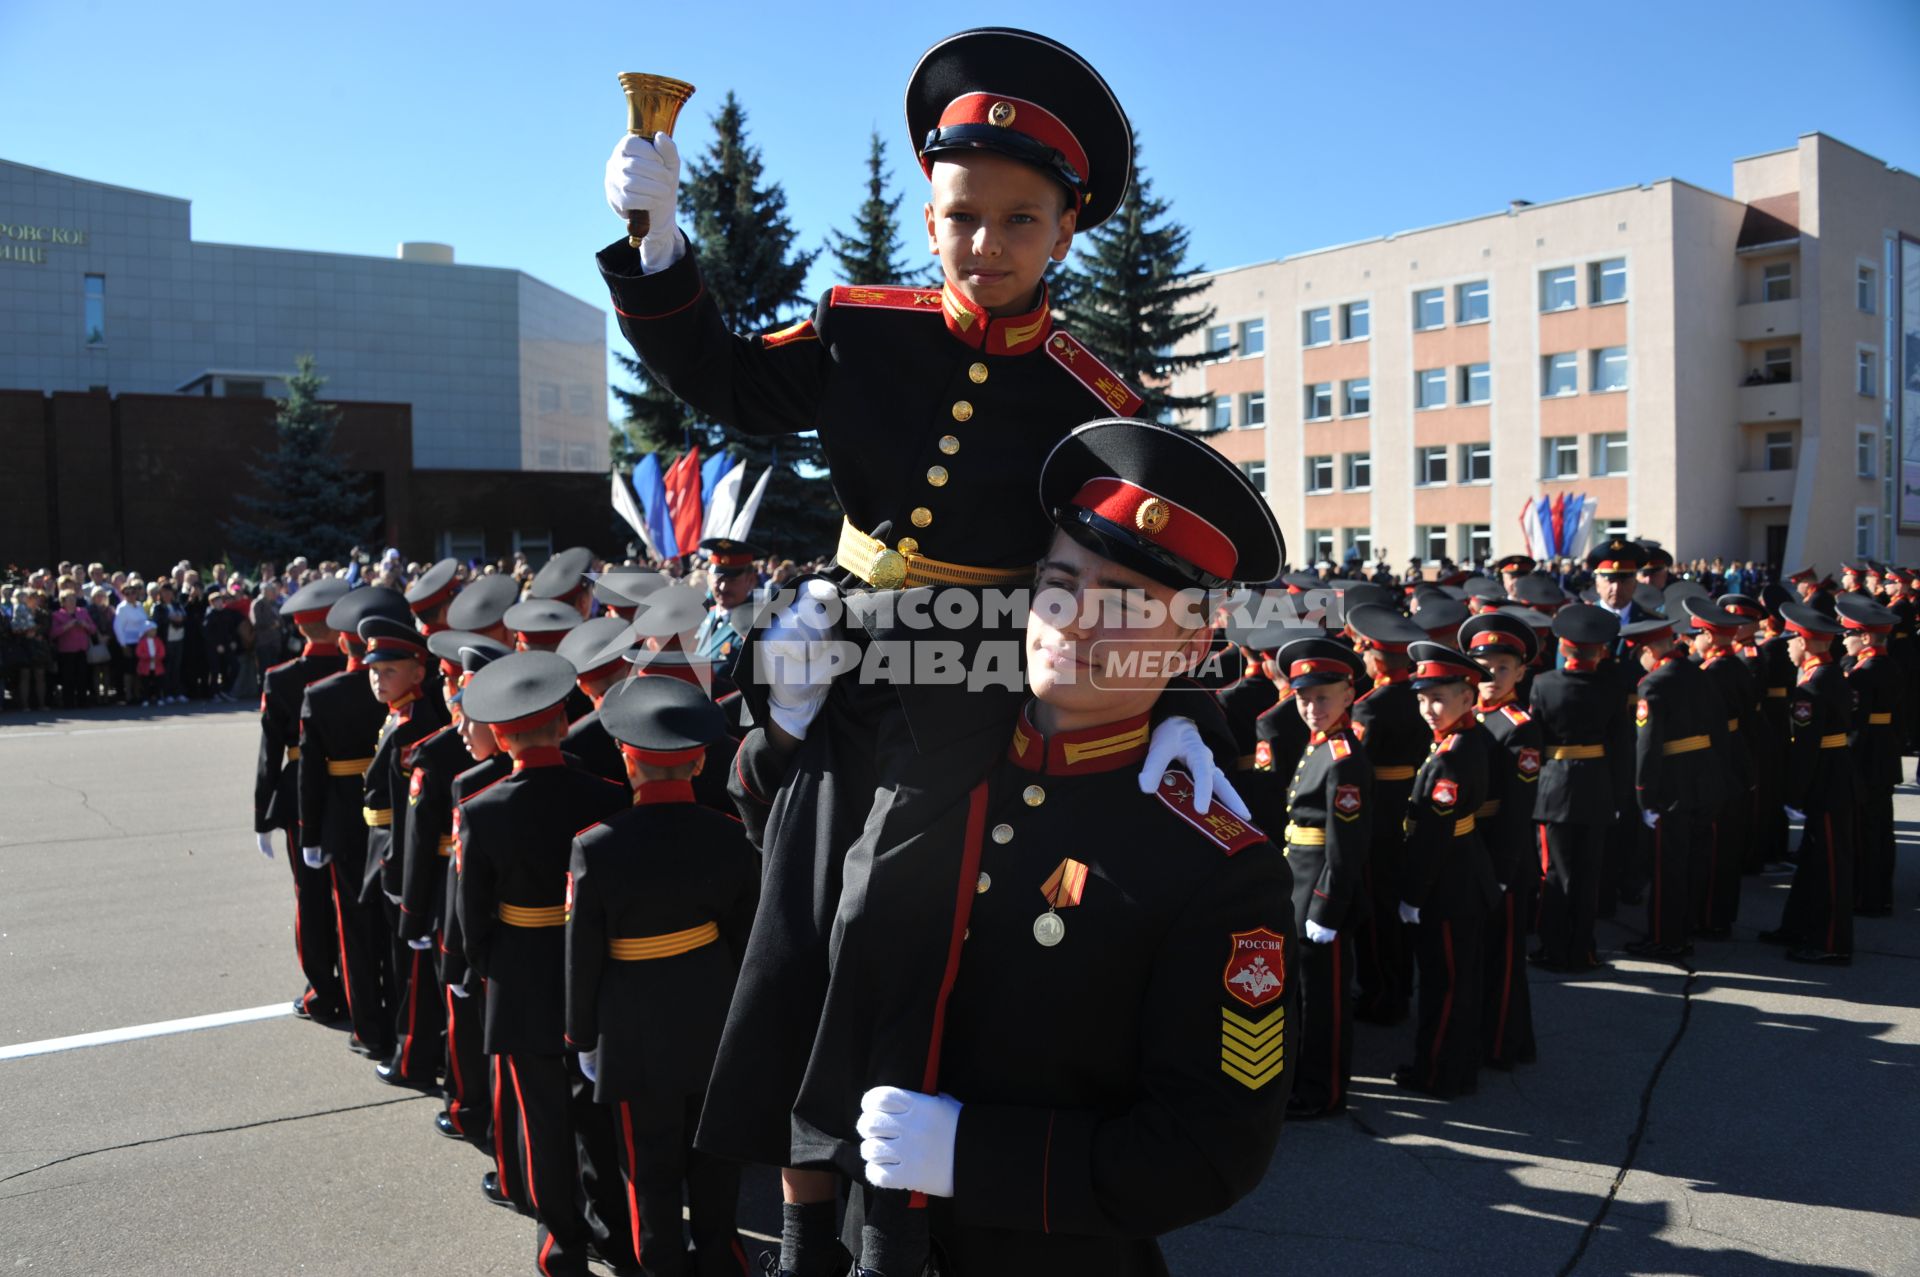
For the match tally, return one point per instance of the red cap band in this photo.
(662, 757)
(514, 727)
(311, 616)
(1320, 666)
(1445, 669)
(1165, 523)
(1498, 638)
(1017, 115)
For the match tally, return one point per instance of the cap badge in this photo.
(1000, 114)
(1153, 516)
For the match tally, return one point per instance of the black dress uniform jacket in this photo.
(339, 727)
(427, 840)
(1586, 738)
(453, 946)
(1332, 791)
(1680, 748)
(1506, 822)
(1279, 740)
(1132, 1077)
(276, 788)
(387, 785)
(1446, 873)
(1822, 784)
(1243, 701)
(515, 843)
(1875, 682)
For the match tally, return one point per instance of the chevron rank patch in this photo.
(1641, 714)
(414, 785)
(1253, 1052)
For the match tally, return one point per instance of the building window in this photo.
(469, 545)
(1429, 467)
(1560, 374)
(1316, 327)
(1253, 338)
(1559, 457)
(1359, 544)
(1359, 471)
(254, 388)
(1319, 545)
(1470, 303)
(1319, 474)
(549, 393)
(1476, 463)
(1220, 415)
(1355, 321)
(1256, 472)
(1778, 448)
(1866, 533)
(1319, 401)
(1609, 454)
(1776, 282)
(1557, 289)
(1610, 368)
(579, 456)
(548, 456)
(1359, 396)
(1866, 452)
(1219, 343)
(95, 323)
(537, 546)
(1866, 375)
(1430, 539)
(1430, 388)
(1429, 308)
(1865, 295)
(1776, 365)
(1253, 409)
(1611, 528)
(1476, 542)
(1607, 281)
(1476, 383)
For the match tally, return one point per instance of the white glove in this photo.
(1652, 818)
(590, 1064)
(316, 857)
(1319, 934)
(801, 658)
(644, 174)
(907, 1139)
(458, 990)
(421, 945)
(1794, 814)
(265, 843)
(1408, 913)
(1177, 740)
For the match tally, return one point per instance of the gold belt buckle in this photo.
(889, 570)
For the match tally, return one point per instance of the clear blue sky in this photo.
(349, 126)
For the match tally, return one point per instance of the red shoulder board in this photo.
(1451, 742)
(1103, 381)
(802, 331)
(1341, 746)
(1228, 831)
(921, 299)
(1516, 715)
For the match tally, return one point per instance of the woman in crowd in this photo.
(72, 631)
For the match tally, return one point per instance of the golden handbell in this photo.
(653, 105)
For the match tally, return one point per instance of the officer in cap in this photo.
(663, 900)
(515, 843)
(1615, 567)
(1446, 885)
(276, 793)
(1656, 566)
(430, 596)
(1505, 646)
(340, 721)
(1822, 792)
(1716, 632)
(731, 578)
(396, 661)
(1064, 864)
(1586, 780)
(1329, 836)
(1679, 780)
(1510, 568)
(1386, 720)
(564, 579)
(1878, 730)
(599, 662)
(481, 607)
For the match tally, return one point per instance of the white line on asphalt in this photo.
(134, 1032)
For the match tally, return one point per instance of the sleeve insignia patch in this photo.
(1529, 763)
(1263, 755)
(1341, 746)
(1346, 801)
(1446, 793)
(1086, 369)
(1228, 831)
(1641, 713)
(1802, 711)
(802, 331)
(1256, 966)
(414, 786)
(1253, 1052)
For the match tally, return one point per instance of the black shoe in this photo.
(1648, 949)
(358, 1047)
(1407, 1079)
(490, 1189)
(443, 1122)
(1820, 957)
(390, 1073)
(1779, 935)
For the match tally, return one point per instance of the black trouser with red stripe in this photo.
(316, 936)
(1509, 1005)
(543, 1096)
(469, 1103)
(1323, 1061)
(1681, 842)
(1820, 904)
(1446, 1041)
(364, 960)
(419, 1011)
(1382, 959)
(654, 1141)
(509, 1155)
(1719, 903)
(1874, 843)
(1571, 856)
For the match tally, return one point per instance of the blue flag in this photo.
(710, 474)
(652, 490)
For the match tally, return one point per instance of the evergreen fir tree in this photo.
(737, 228)
(309, 502)
(872, 254)
(1127, 294)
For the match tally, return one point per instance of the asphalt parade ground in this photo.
(1750, 1116)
